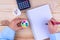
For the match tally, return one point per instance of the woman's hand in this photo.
(14, 24)
(52, 28)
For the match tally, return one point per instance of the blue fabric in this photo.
(7, 34)
(55, 36)
(52, 37)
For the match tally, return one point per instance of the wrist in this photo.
(52, 31)
(12, 27)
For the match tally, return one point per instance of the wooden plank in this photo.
(7, 7)
(24, 39)
(56, 15)
(55, 5)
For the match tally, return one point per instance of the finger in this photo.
(18, 19)
(50, 25)
(20, 28)
(52, 19)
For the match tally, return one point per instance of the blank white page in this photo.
(38, 18)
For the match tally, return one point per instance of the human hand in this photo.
(52, 28)
(14, 24)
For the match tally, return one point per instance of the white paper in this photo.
(38, 18)
(16, 12)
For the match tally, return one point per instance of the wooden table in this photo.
(7, 7)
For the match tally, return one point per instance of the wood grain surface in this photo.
(7, 7)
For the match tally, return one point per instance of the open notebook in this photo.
(38, 18)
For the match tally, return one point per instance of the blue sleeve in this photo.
(55, 36)
(7, 34)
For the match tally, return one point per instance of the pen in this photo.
(55, 23)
